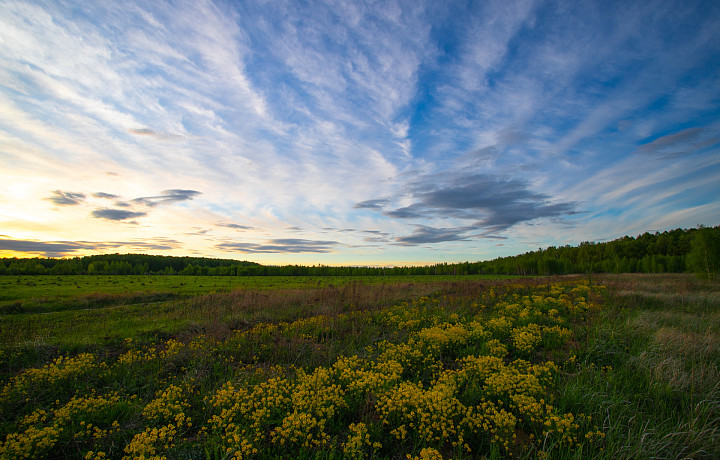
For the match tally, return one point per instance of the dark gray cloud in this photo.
(66, 198)
(407, 212)
(178, 195)
(280, 246)
(423, 235)
(493, 202)
(372, 204)
(236, 226)
(515, 213)
(65, 248)
(105, 195)
(116, 214)
(167, 196)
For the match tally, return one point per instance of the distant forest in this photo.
(675, 251)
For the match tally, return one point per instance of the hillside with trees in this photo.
(675, 251)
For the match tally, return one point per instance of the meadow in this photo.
(618, 366)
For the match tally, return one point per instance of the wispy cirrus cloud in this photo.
(427, 122)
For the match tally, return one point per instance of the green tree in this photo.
(704, 255)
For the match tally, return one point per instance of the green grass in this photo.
(644, 366)
(45, 293)
(54, 319)
(661, 397)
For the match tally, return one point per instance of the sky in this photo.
(354, 133)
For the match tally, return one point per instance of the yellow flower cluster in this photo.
(460, 381)
(500, 326)
(481, 397)
(358, 443)
(315, 400)
(172, 348)
(526, 338)
(135, 355)
(451, 337)
(246, 415)
(427, 454)
(168, 406)
(167, 413)
(431, 416)
(62, 369)
(41, 430)
(361, 377)
(148, 444)
(410, 316)
(496, 348)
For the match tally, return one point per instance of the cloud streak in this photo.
(236, 226)
(109, 196)
(116, 214)
(66, 198)
(372, 204)
(150, 133)
(280, 246)
(65, 248)
(167, 196)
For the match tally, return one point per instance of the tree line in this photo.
(123, 264)
(675, 251)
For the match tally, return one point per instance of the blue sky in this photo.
(377, 133)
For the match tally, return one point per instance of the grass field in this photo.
(41, 294)
(623, 366)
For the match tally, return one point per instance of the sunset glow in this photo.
(351, 133)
